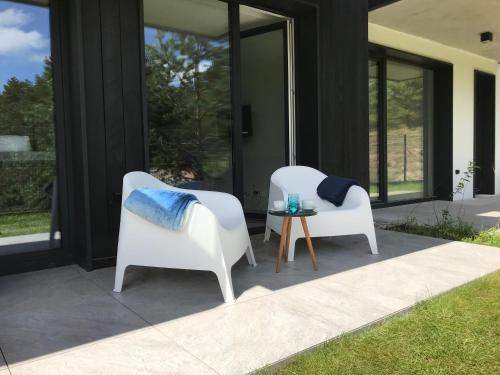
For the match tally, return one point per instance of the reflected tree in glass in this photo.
(406, 122)
(374, 161)
(27, 128)
(189, 108)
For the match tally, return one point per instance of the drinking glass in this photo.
(293, 203)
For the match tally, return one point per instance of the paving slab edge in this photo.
(275, 366)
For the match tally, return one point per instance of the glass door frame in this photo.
(235, 53)
(381, 127)
(381, 55)
(29, 257)
(235, 88)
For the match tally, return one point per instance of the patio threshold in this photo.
(65, 319)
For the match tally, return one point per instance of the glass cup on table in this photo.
(293, 203)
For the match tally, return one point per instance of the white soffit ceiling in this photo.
(251, 18)
(201, 17)
(456, 23)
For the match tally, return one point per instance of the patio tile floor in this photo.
(66, 320)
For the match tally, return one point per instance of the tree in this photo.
(187, 79)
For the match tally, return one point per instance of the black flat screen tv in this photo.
(246, 120)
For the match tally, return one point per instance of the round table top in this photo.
(301, 213)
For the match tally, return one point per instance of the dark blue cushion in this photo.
(334, 189)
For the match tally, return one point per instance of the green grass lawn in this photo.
(24, 223)
(456, 333)
(412, 186)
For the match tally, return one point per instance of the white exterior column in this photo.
(463, 123)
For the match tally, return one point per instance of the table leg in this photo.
(288, 231)
(282, 242)
(309, 242)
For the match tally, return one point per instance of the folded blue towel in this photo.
(334, 189)
(165, 208)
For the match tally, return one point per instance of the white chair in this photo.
(353, 217)
(213, 238)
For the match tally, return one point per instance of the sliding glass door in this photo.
(29, 213)
(401, 128)
(187, 72)
(201, 75)
(265, 121)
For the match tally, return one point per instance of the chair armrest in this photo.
(277, 193)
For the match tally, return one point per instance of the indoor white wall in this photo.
(262, 83)
(464, 64)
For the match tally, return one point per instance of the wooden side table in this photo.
(285, 234)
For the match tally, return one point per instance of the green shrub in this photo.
(22, 185)
(450, 229)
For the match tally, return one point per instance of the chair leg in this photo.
(372, 240)
(291, 248)
(267, 234)
(226, 286)
(250, 255)
(119, 275)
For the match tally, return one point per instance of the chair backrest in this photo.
(298, 179)
(224, 206)
(134, 180)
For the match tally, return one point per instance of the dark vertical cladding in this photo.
(306, 86)
(131, 41)
(443, 131)
(343, 136)
(103, 106)
(484, 133)
(103, 51)
(74, 53)
(114, 160)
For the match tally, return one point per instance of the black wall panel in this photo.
(105, 82)
(484, 133)
(104, 78)
(343, 44)
(306, 88)
(443, 131)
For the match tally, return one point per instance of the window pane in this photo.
(373, 93)
(407, 128)
(27, 139)
(188, 92)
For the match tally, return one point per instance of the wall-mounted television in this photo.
(246, 120)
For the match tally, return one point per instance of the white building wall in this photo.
(464, 64)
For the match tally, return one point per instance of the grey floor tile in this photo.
(55, 310)
(3, 365)
(143, 352)
(60, 319)
(243, 337)
(159, 295)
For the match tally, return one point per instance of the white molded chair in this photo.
(353, 217)
(213, 238)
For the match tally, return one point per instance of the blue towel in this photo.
(165, 208)
(334, 189)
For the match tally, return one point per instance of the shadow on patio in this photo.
(57, 309)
